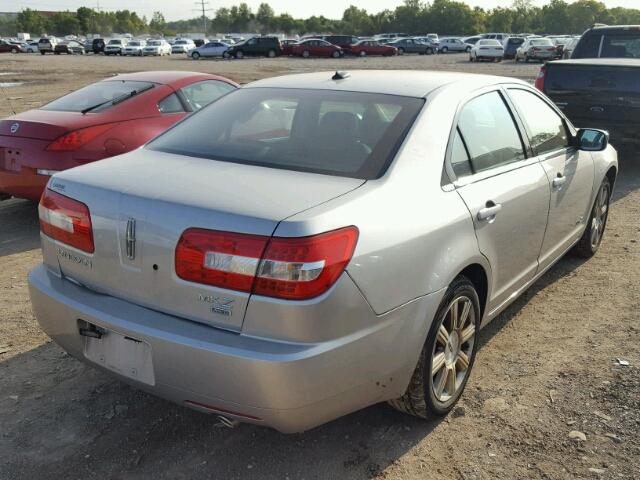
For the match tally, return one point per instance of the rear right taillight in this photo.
(74, 140)
(294, 268)
(66, 220)
(539, 83)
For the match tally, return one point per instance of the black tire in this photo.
(400, 51)
(239, 55)
(419, 399)
(195, 56)
(226, 55)
(526, 59)
(517, 59)
(271, 54)
(586, 247)
(471, 58)
(41, 52)
(429, 51)
(444, 50)
(306, 54)
(335, 54)
(468, 49)
(14, 50)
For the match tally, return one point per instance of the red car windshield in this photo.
(101, 93)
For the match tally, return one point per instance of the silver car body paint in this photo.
(293, 365)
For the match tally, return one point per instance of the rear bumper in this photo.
(23, 184)
(288, 386)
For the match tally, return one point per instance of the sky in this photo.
(175, 10)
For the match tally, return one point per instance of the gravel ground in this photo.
(547, 367)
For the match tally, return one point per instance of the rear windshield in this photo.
(95, 94)
(345, 134)
(622, 45)
(542, 42)
(582, 79)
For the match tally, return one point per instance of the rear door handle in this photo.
(490, 211)
(559, 181)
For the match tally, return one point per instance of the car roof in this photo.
(608, 62)
(614, 28)
(176, 78)
(408, 83)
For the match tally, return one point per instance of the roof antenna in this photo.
(340, 75)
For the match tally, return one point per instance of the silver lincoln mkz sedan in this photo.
(312, 244)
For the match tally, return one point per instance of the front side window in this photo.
(546, 129)
(322, 131)
(489, 132)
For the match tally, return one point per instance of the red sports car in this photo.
(315, 47)
(101, 120)
(371, 47)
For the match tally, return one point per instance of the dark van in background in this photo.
(599, 86)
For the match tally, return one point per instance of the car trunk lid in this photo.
(163, 195)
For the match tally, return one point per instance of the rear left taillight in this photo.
(66, 220)
(74, 140)
(294, 268)
(539, 83)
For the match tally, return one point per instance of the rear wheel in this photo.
(271, 53)
(195, 56)
(447, 355)
(335, 54)
(14, 50)
(362, 53)
(306, 54)
(401, 51)
(239, 54)
(444, 50)
(429, 51)
(526, 58)
(593, 233)
(468, 49)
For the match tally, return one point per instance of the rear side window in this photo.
(322, 131)
(170, 104)
(460, 157)
(546, 129)
(97, 93)
(588, 47)
(201, 94)
(489, 133)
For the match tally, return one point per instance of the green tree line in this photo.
(412, 17)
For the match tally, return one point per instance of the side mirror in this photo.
(592, 140)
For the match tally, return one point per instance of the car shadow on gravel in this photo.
(63, 419)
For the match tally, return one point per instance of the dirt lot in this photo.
(547, 366)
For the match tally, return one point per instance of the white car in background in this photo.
(491, 50)
(134, 47)
(32, 46)
(214, 48)
(183, 45)
(115, 46)
(157, 47)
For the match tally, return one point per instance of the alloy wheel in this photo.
(453, 349)
(600, 212)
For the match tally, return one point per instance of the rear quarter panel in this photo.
(415, 237)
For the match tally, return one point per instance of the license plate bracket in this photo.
(10, 159)
(122, 354)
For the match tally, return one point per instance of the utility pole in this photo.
(203, 6)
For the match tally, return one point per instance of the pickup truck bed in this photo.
(598, 93)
